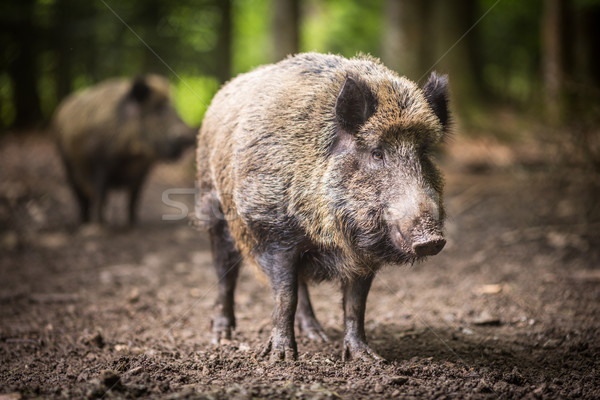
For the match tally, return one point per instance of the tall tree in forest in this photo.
(286, 28)
(408, 27)
(63, 36)
(224, 39)
(395, 50)
(457, 51)
(22, 63)
(552, 51)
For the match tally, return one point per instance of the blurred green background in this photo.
(536, 61)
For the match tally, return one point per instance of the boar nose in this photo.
(429, 247)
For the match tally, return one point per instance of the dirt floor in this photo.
(509, 309)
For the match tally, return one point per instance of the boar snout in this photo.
(418, 240)
(429, 246)
(417, 228)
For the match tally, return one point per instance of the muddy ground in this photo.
(509, 309)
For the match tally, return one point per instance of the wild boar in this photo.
(111, 134)
(315, 168)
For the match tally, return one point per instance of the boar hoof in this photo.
(354, 350)
(280, 349)
(310, 327)
(222, 328)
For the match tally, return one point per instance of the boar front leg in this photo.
(356, 291)
(134, 197)
(282, 272)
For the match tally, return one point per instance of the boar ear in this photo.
(354, 105)
(436, 93)
(140, 91)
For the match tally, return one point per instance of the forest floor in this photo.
(509, 309)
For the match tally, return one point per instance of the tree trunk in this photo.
(63, 37)
(407, 47)
(286, 28)
(396, 52)
(23, 69)
(223, 50)
(552, 66)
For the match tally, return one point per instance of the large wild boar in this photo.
(109, 136)
(319, 167)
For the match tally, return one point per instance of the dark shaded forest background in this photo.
(517, 68)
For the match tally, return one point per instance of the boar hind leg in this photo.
(227, 264)
(355, 301)
(100, 185)
(82, 198)
(84, 204)
(305, 317)
(281, 269)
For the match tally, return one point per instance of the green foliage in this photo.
(252, 34)
(511, 53)
(344, 27)
(7, 108)
(74, 44)
(192, 97)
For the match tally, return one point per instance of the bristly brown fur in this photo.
(265, 152)
(321, 166)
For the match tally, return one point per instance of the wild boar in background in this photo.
(110, 135)
(316, 168)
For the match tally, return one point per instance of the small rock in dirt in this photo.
(134, 295)
(121, 348)
(514, 377)
(398, 380)
(244, 347)
(484, 387)
(490, 289)
(134, 371)
(539, 391)
(467, 331)
(94, 340)
(378, 388)
(551, 344)
(110, 378)
(486, 319)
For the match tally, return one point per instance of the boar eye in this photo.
(377, 155)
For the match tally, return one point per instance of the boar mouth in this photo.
(419, 244)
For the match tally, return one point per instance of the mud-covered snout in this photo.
(426, 242)
(416, 225)
(429, 247)
(418, 239)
